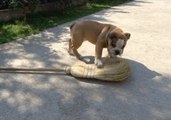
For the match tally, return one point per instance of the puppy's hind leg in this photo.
(75, 45)
(70, 51)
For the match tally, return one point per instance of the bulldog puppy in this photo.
(101, 35)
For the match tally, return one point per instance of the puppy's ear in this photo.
(128, 35)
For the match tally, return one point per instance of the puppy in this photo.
(101, 35)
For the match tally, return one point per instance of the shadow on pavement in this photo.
(55, 95)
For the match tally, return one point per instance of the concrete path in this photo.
(146, 95)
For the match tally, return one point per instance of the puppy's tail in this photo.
(72, 25)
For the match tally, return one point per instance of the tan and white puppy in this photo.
(102, 35)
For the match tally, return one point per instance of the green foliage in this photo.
(30, 4)
(5, 4)
(13, 31)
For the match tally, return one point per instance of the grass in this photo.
(37, 22)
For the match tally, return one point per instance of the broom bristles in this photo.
(114, 70)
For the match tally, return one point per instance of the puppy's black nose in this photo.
(117, 52)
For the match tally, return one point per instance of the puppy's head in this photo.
(117, 40)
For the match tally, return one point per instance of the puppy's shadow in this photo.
(140, 74)
(88, 59)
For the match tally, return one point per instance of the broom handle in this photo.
(64, 69)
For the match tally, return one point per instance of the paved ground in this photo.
(146, 95)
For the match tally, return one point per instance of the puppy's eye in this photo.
(112, 37)
(113, 45)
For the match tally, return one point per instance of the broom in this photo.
(114, 70)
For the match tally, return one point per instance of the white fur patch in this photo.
(119, 43)
(98, 62)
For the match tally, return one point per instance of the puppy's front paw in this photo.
(99, 63)
(111, 55)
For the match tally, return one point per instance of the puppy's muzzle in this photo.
(117, 52)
